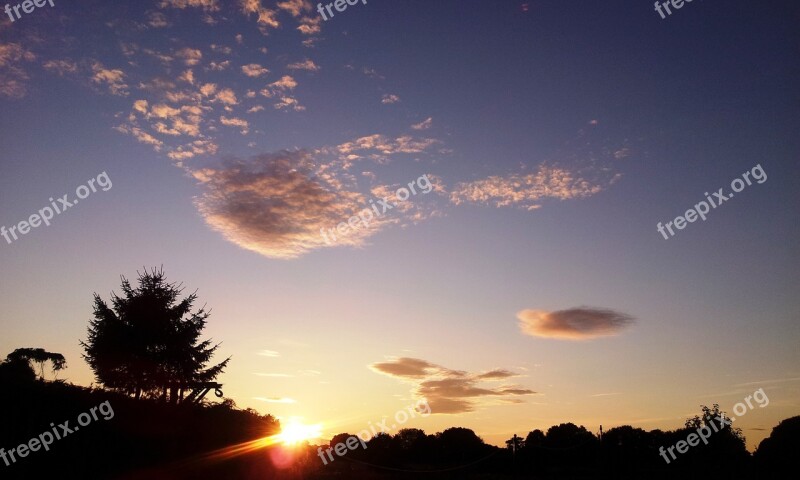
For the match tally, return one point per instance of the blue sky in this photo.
(557, 135)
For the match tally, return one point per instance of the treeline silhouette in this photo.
(153, 439)
(568, 451)
(149, 362)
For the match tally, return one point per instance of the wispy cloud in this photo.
(61, 67)
(423, 125)
(451, 391)
(768, 381)
(276, 399)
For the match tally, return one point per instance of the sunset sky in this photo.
(528, 287)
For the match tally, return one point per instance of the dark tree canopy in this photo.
(39, 356)
(779, 450)
(148, 340)
(16, 372)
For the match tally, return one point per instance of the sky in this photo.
(266, 158)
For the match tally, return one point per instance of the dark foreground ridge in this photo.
(151, 439)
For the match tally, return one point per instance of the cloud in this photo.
(235, 122)
(285, 83)
(61, 67)
(254, 70)
(157, 20)
(221, 49)
(218, 67)
(388, 99)
(526, 190)
(266, 18)
(192, 149)
(275, 204)
(226, 96)
(410, 368)
(184, 120)
(304, 65)
(141, 136)
(496, 374)
(269, 353)
(206, 5)
(310, 26)
(112, 78)
(388, 146)
(295, 7)
(190, 56)
(14, 52)
(289, 103)
(451, 391)
(276, 399)
(424, 125)
(187, 76)
(372, 73)
(279, 204)
(208, 89)
(581, 323)
(13, 78)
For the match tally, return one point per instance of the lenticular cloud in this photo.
(582, 323)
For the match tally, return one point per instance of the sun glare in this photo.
(295, 432)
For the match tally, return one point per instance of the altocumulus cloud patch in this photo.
(581, 323)
(273, 204)
(277, 203)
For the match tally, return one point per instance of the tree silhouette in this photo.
(413, 445)
(147, 342)
(515, 443)
(535, 439)
(16, 371)
(778, 452)
(39, 356)
(459, 445)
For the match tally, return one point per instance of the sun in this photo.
(295, 432)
